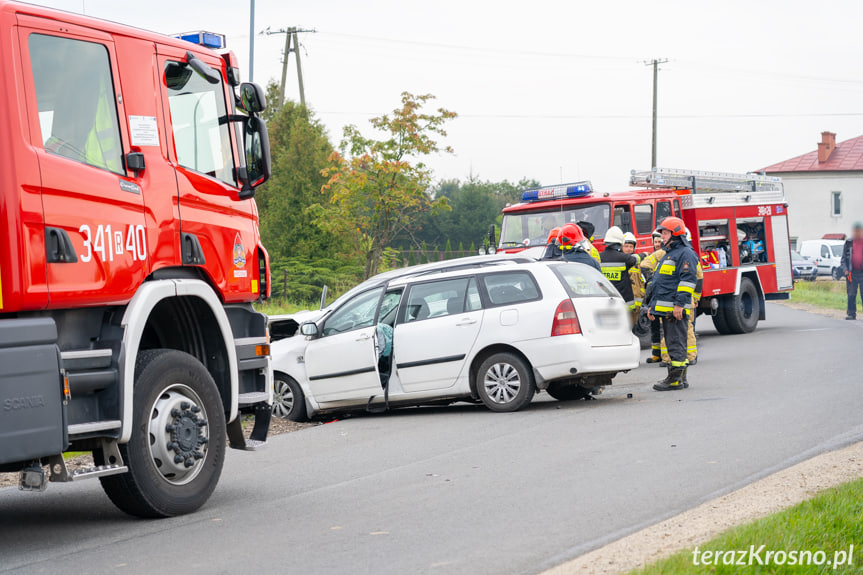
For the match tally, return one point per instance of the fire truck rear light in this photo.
(576, 190)
(206, 39)
(262, 349)
(565, 320)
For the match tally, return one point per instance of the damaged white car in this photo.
(495, 330)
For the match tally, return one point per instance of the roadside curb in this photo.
(696, 526)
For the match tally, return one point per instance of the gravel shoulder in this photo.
(701, 524)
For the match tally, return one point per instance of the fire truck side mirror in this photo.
(257, 149)
(253, 98)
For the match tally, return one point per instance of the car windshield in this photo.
(837, 251)
(583, 281)
(532, 228)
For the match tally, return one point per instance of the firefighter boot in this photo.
(673, 381)
(683, 381)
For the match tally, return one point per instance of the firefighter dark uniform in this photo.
(674, 284)
(616, 265)
(691, 342)
(570, 244)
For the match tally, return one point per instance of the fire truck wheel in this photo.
(504, 382)
(743, 309)
(719, 321)
(177, 447)
(567, 392)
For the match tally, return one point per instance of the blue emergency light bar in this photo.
(574, 190)
(206, 39)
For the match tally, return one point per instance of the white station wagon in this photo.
(495, 330)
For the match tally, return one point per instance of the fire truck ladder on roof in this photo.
(705, 182)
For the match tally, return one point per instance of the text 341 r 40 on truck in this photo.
(130, 258)
(738, 222)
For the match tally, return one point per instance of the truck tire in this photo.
(567, 391)
(719, 321)
(177, 447)
(743, 309)
(504, 382)
(289, 402)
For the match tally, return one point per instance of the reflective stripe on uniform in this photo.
(686, 287)
(613, 270)
(679, 363)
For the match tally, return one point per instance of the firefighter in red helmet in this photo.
(673, 286)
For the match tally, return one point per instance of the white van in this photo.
(827, 255)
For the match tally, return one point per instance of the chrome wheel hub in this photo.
(178, 434)
(502, 382)
(283, 399)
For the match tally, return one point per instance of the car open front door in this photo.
(341, 364)
(436, 333)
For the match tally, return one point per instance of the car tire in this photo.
(567, 391)
(289, 401)
(743, 309)
(504, 382)
(177, 447)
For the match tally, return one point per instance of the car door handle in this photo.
(365, 337)
(466, 321)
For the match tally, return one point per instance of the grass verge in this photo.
(830, 522)
(281, 307)
(827, 294)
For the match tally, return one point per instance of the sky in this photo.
(558, 91)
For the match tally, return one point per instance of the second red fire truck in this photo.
(738, 222)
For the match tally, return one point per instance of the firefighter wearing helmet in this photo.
(616, 265)
(573, 246)
(691, 342)
(674, 284)
(552, 247)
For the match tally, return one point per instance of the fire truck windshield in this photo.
(535, 225)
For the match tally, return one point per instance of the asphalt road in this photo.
(463, 490)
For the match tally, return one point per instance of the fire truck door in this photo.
(217, 228)
(93, 210)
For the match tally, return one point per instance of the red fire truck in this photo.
(738, 222)
(129, 258)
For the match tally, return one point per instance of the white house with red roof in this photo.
(824, 188)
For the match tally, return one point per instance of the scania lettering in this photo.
(130, 258)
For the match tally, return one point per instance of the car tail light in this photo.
(565, 320)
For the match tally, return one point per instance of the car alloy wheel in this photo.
(283, 398)
(502, 382)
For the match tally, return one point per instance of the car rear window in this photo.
(583, 281)
(507, 288)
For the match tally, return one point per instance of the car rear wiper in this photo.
(607, 291)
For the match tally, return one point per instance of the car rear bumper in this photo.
(555, 358)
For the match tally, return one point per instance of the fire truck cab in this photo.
(130, 258)
(738, 222)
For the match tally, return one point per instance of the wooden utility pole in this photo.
(655, 63)
(285, 61)
(299, 70)
(291, 36)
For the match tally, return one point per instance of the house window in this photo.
(836, 204)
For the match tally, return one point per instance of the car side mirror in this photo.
(252, 98)
(257, 150)
(309, 329)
